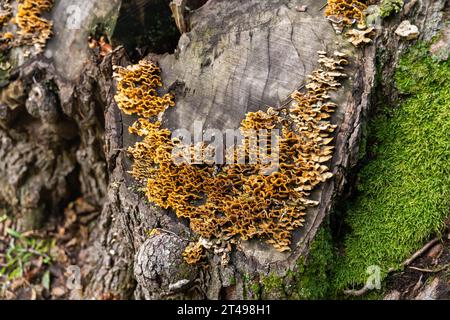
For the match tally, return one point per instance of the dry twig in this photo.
(406, 263)
(442, 268)
(420, 252)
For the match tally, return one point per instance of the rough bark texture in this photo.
(52, 123)
(67, 137)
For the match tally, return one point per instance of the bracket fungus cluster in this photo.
(31, 28)
(346, 13)
(193, 253)
(137, 90)
(360, 37)
(5, 12)
(236, 201)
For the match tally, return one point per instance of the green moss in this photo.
(111, 21)
(273, 282)
(388, 7)
(251, 287)
(313, 280)
(403, 193)
(256, 290)
(273, 287)
(310, 279)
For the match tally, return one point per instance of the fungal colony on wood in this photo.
(235, 201)
(32, 28)
(347, 13)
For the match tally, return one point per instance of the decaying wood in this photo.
(52, 140)
(178, 8)
(238, 57)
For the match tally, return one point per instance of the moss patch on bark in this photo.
(404, 191)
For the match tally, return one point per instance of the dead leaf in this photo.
(58, 292)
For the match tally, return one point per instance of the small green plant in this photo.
(388, 7)
(21, 253)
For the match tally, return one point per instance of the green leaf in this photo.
(16, 273)
(46, 280)
(3, 218)
(14, 233)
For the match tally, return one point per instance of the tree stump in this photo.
(62, 134)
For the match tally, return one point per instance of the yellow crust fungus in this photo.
(236, 200)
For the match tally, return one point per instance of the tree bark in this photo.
(69, 138)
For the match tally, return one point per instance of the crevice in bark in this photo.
(144, 27)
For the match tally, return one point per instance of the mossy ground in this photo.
(404, 191)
